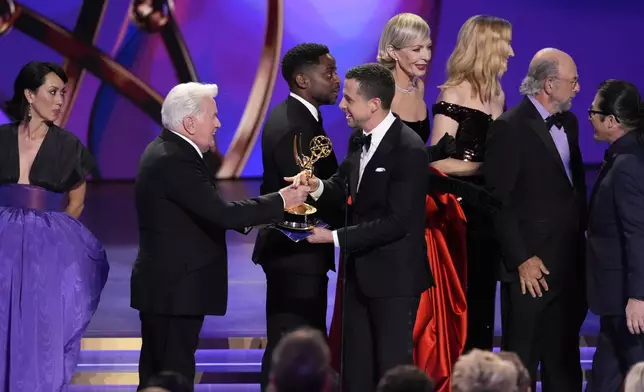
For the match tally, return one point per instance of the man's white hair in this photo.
(185, 100)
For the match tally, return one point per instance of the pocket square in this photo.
(380, 169)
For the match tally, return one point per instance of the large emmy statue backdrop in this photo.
(123, 56)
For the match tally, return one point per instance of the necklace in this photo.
(404, 90)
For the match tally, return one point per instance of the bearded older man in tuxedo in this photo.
(533, 165)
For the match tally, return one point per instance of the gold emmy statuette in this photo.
(302, 217)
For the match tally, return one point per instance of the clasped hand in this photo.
(294, 196)
(304, 178)
(533, 276)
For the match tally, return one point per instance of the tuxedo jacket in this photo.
(385, 238)
(543, 212)
(615, 246)
(272, 249)
(181, 267)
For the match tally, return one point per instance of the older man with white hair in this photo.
(180, 274)
(533, 165)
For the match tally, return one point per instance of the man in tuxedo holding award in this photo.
(385, 177)
(293, 139)
(181, 272)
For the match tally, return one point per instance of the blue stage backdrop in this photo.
(114, 107)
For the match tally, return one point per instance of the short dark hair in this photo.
(374, 81)
(171, 381)
(405, 378)
(300, 56)
(30, 77)
(621, 99)
(301, 362)
(523, 376)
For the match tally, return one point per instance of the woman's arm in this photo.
(442, 125)
(76, 202)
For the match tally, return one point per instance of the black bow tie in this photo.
(362, 140)
(556, 120)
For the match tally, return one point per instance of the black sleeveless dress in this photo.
(482, 248)
(420, 127)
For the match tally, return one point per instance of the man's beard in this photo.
(563, 106)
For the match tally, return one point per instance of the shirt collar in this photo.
(189, 141)
(623, 143)
(540, 108)
(308, 105)
(380, 130)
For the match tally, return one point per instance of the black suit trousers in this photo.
(482, 264)
(617, 351)
(292, 301)
(378, 335)
(545, 331)
(169, 344)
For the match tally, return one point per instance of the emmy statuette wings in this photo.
(302, 217)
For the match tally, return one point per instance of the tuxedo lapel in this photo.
(538, 125)
(571, 128)
(354, 157)
(390, 139)
(602, 173)
(308, 128)
(386, 144)
(186, 148)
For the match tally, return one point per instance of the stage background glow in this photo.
(225, 39)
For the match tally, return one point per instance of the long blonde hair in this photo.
(398, 32)
(481, 49)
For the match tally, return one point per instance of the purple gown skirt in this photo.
(52, 272)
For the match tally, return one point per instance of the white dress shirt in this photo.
(190, 142)
(308, 105)
(377, 134)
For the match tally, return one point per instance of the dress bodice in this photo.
(420, 127)
(62, 162)
(473, 125)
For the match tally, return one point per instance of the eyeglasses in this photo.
(574, 81)
(591, 112)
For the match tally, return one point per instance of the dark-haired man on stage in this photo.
(387, 266)
(296, 273)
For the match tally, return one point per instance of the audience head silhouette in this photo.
(301, 363)
(483, 371)
(405, 378)
(524, 383)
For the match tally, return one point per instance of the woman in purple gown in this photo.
(52, 269)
